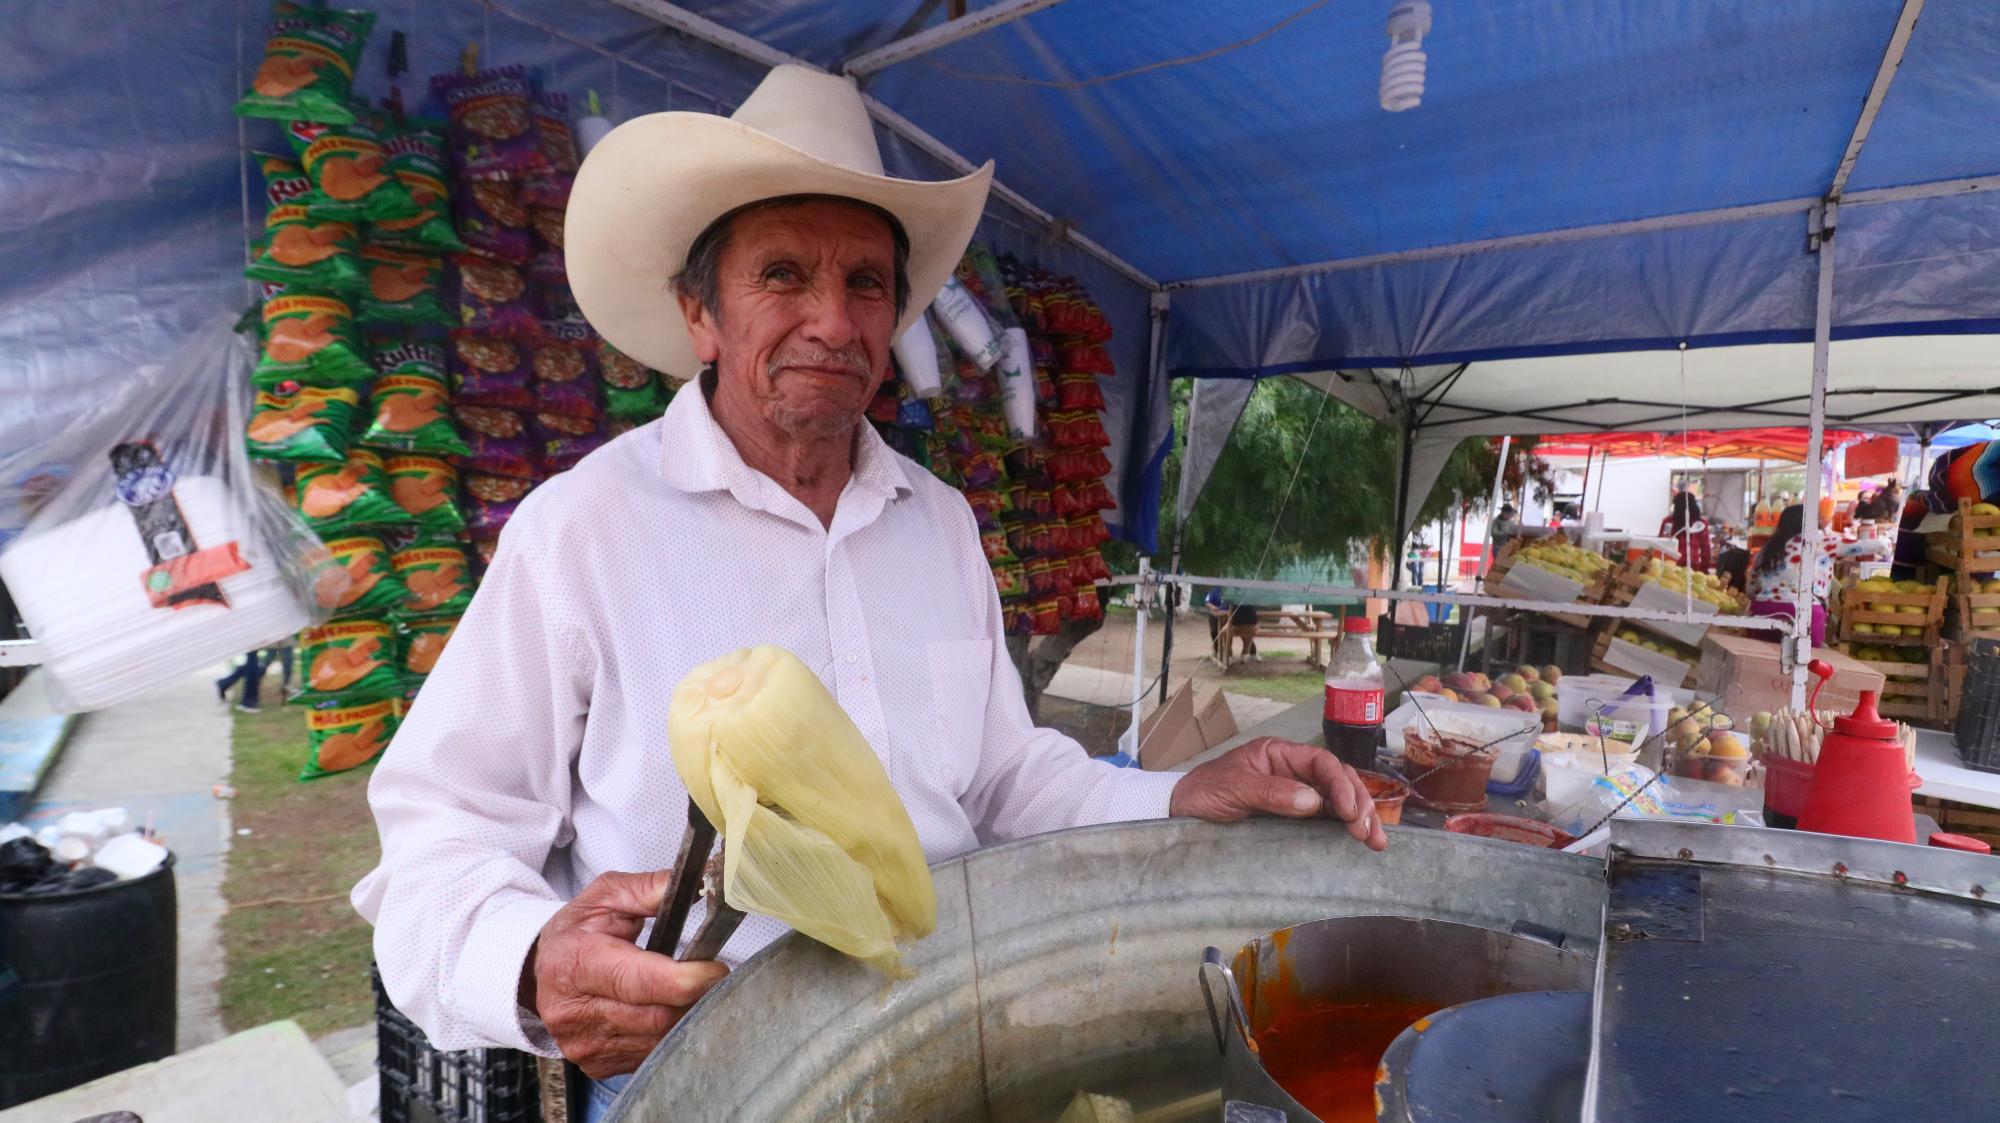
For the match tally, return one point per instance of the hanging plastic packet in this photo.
(971, 329)
(493, 125)
(411, 401)
(310, 338)
(308, 67)
(492, 221)
(426, 488)
(564, 380)
(313, 253)
(302, 423)
(564, 440)
(497, 443)
(416, 159)
(493, 500)
(630, 390)
(347, 737)
(917, 359)
(349, 173)
(491, 372)
(402, 287)
(424, 640)
(348, 661)
(550, 186)
(493, 300)
(361, 582)
(339, 497)
(434, 578)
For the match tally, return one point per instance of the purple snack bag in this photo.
(550, 187)
(491, 372)
(565, 380)
(492, 122)
(565, 440)
(492, 221)
(493, 299)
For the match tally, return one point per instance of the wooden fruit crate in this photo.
(1975, 616)
(1628, 581)
(1855, 609)
(1608, 631)
(1924, 701)
(1964, 549)
(1593, 592)
(1955, 662)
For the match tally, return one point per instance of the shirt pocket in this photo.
(961, 676)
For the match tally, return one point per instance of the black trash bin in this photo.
(93, 986)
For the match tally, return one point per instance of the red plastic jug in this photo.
(1861, 785)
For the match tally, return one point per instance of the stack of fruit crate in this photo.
(1971, 545)
(1896, 628)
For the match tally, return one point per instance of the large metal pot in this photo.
(1403, 962)
(1063, 963)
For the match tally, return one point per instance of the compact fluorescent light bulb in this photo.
(1403, 64)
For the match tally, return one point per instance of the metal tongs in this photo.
(697, 873)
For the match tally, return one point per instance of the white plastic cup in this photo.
(590, 130)
(970, 328)
(917, 357)
(1017, 382)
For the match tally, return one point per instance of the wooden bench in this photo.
(1306, 624)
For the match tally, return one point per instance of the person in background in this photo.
(282, 655)
(1505, 525)
(250, 673)
(1733, 566)
(1414, 562)
(1883, 505)
(1684, 525)
(1911, 547)
(1221, 613)
(1781, 568)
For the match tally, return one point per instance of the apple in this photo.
(1481, 682)
(1448, 694)
(1515, 683)
(1542, 691)
(1528, 673)
(1523, 703)
(1460, 681)
(1490, 700)
(1554, 674)
(1428, 684)
(1502, 691)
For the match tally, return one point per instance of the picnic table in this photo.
(1311, 624)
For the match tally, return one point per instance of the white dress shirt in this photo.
(536, 757)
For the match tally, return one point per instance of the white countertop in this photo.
(1945, 778)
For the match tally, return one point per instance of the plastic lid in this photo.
(1865, 722)
(1357, 626)
(1960, 842)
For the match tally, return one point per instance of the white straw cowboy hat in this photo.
(654, 183)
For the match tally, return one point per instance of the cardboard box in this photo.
(1746, 676)
(1192, 722)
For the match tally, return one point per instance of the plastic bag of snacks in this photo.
(310, 338)
(302, 422)
(337, 497)
(346, 737)
(563, 380)
(348, 661)
(497, 442)
(402, 287)
(416, 159)
(492, 501)
(308, 65)
(493, 299)
(550, 186)
(313, 253)
(423, 641)
(565, 440)
(1010, 578)
(435, 579)
(492, 122)
(349, 172)
(361, 583)
(492, 221)
(411, 403)
(630, 390)
(426, 488)
(491, 372)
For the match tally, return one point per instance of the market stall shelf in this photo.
(1972, 544)
(1642, 586)
(1551, 570)
(1889, 613)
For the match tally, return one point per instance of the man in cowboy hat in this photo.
(769, 254)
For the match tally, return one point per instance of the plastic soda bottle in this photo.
(1353, 719)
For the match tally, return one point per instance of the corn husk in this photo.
(817, 838)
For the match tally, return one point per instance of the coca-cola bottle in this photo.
(1353, 721)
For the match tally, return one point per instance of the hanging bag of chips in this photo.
(308, 65)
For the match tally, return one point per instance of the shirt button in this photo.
(853, 658)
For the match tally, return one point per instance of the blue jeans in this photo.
(604, 1093)
(250, 674)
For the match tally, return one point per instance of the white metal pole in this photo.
(1486, 555)
(1825, 219)
(1142, 594)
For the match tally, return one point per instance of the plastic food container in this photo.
(1565, 778)
(1508, 828)
(1388, 792)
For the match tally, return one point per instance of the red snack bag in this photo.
(1088, 606)
(1086, 358)
(1099, 570)
(986, 508)
(1047, 617)
(1010, 578)
(492, 123)
(1092, 495)
(1077, 390)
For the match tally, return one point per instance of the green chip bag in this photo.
(310, 338)
(302, 423)
(411, 406)
(631, 392)
(338, 497)
(348, 662)
(308, 66)
(416, 159)
(361, 582)
(349, 172)
(298, 249)
(423, 641)
(426, 488)
(436, 579)
(402, 287)
(346, 737)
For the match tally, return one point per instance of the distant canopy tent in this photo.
(1781, 444)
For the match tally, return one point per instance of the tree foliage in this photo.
(1305, 477)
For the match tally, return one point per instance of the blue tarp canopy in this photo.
(1581, 177)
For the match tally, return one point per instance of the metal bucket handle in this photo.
(1211, 961)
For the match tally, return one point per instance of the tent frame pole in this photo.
(1486, 554)
(1157, 306)
(943, 35)
(1823, 222)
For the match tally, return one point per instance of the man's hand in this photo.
(606, 1000)
(1268, 776)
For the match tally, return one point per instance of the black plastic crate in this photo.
(1977, 730)
(1434, 643)
(420, 1084)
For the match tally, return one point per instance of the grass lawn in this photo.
(294, 947)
